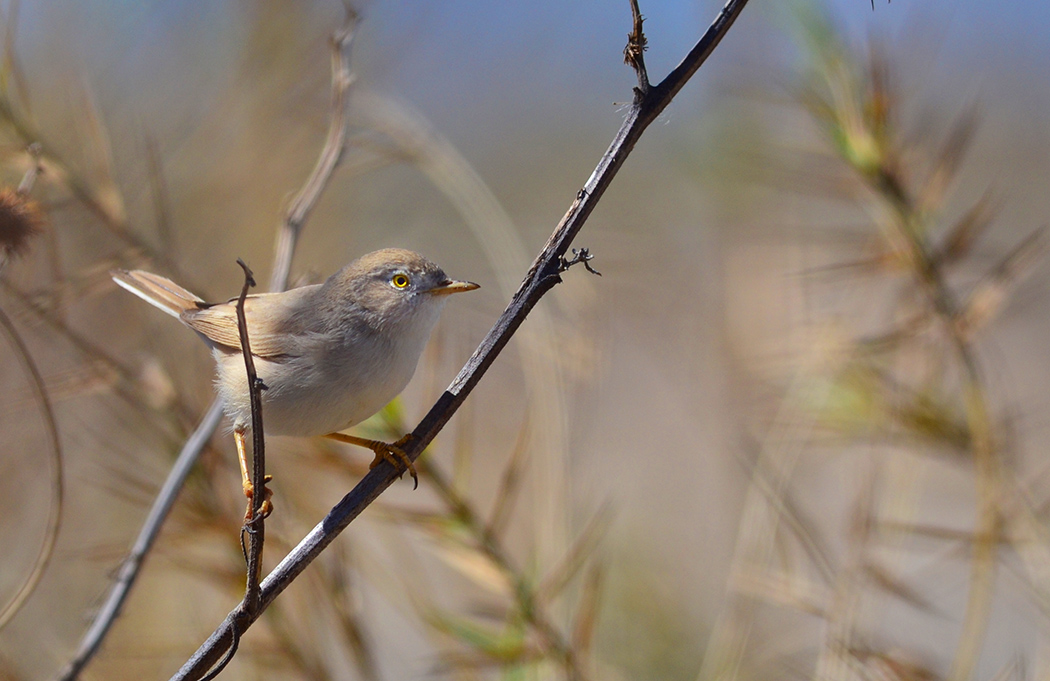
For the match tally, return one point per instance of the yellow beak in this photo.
(450, 287)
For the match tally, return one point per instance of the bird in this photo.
(330, 354)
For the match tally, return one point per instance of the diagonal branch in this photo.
(542, 276)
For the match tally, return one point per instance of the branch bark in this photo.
(255, 521)
(542, 276)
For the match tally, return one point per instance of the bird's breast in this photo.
(324, 388)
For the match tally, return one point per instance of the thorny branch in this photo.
(301, 208)
(541, 277)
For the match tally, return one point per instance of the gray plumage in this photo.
(331, 354)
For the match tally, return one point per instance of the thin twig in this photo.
(541, 277)
(129, 569)
(39, 390)
(158, 513)
(54, 517)
(255, 524)
(331, 154)
(634, 53)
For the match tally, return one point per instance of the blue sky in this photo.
(438, 52)
(478, 68)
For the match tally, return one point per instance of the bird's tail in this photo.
(157, 291)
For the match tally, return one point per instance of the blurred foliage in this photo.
(888, 374)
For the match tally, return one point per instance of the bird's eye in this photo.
(400, 280)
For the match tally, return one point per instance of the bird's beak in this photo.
(453, 287)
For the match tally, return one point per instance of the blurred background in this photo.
(796, 429)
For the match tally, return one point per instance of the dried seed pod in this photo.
(21, 218)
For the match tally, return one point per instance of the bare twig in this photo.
(158, 513)
(541, 277)
(254, 525)
(54, 518)
(39, 390)
(579, 255)
(331, 154)
(634, 53)
(129, 569)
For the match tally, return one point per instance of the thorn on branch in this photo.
(579, 255)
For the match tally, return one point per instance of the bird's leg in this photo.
(392, 453)
(246, 479)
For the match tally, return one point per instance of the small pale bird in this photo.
(330, 355)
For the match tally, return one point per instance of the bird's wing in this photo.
(218, 323)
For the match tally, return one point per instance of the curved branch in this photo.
(542, 276)
(331, 154)
(36, 379)
(54, 518)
